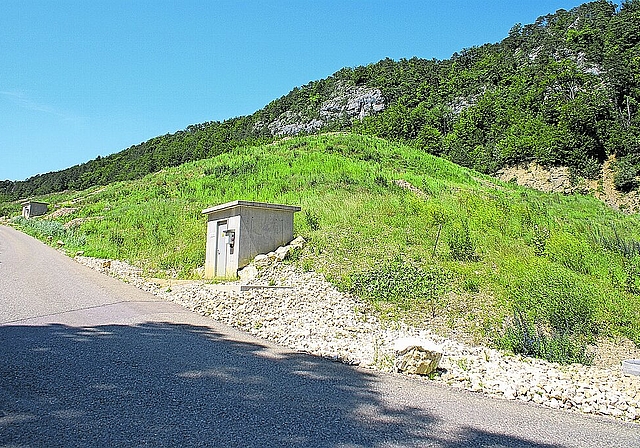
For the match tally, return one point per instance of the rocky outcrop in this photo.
(280, 254)
(556, 179)
(352, 102)
(347, 102)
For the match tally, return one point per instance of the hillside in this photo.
(419, 237)
(563, 91)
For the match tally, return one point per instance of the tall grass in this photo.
(493, 240)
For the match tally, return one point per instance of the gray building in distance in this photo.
(33, 208)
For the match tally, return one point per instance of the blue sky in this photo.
(83, 78)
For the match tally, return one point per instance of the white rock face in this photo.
(313, 316)
(347, 102)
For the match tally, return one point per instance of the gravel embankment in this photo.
(310, 315)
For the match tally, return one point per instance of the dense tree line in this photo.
(564, 90)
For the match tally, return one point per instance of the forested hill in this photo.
(564, 90)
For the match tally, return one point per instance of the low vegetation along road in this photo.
(86, 360)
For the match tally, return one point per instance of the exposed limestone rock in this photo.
(298, 243)
(261, 260)
(551, 180)
(415, 356)
(282, 252)
(406, 185)
(559, 180)
(248, 273)
(352, 102)
(64, 211)
(347, 102)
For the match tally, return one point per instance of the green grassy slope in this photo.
(461, 250)
(563, 90)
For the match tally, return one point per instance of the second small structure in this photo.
(238, 231)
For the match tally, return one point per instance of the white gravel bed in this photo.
(312, 316)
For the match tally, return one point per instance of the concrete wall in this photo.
(263, 230)
(259, 228)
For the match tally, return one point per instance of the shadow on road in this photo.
(162, 384)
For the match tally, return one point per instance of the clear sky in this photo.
(85, 78)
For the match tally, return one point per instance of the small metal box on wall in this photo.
(238, 231)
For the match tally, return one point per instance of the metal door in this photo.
(221, 249)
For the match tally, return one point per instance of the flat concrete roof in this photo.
(27, 201)
(228, 205)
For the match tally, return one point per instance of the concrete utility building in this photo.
(238, 231)
(34, 208)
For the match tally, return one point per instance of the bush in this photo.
(9, 208)
(624, 178)
(50, 230)
(312, 220)
(402, 283)
(571, 252)
(529, 338)
(632, 275)
(553, 317)
(615, 242)
(40, 228)
(540, 238)
(461, 245)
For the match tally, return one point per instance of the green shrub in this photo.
(632, 275)
(9, 208)
(312, 220)
(403, 283)
(625, 176)
(461, 245)
(50, 230)
(569, 251)
(41, 228)
(539, 241)
(553, 317)
(529, 338)
(615, 242)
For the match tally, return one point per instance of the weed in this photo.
(403, 283)
(539, 241)
(553, 318)
(463, 364)
(471, 285)
(612, 240)
(570, 251)
(50, 231)
(461, 245)
(530, 338)
(632, 275)
(312, 220)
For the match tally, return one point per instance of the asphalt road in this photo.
(86, 360)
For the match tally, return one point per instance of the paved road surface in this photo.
(86, 360)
